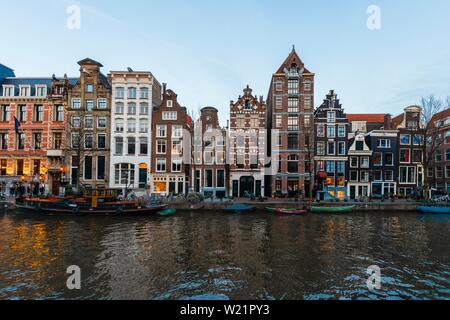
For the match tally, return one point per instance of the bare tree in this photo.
(433, 140)
(309, 156)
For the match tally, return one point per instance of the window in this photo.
(447, 171)
(160, 165)
(25, 91)
(88, 141)
(177, 131)
(36, 167)
(293, 86)
(143, 109)
(331, 148)
(341, 132)
(293, 124)
(331, 117)
(389, 159)
(75, 137)
(321, 131)
(354, 162)
(331, 167)
(308, 103)
(59, 113)
(143, 126)
(248, 104)
(57, 140)
(131, 93)
(131, 126)
(120, 108)
(119, 126)
(89, 122)
(439, 172)
(20, 165)
(89, 105)
(3, 167)
(307, 84)
(37, 137)
(124, 174)
(321, 148)
(3, 141)
(5, 113)
(8, 91)
(364, 176)
(76, 122)
(418, 139)
(101, 141)
(101, 163)
(131, 146)
(340, 167)
(41, 91)
(292, 141)
(76, 103)
(119, 146)
(90, 88)
(341, 148)
(102, 104)
(293, 161)
(279, 85)
(438, 155)
(405, 139)
(22, 113)
(143, 146)
(38, 113)
(353, 175)
(417, 155)
(101, 122)
(144, 93)
(161, 131)
(407, 175)
(21, 141)
(131, 109)
(331, 131)
(388, 175)
(365, 162)
(220, 178)
(176, 165)
(405, 156)
(169, 103)
(88, 168)
(384, 143)
(279, 102)
(377, 175)
(169, 115)
(278, 121)
(377, 159)
(120, 93)
(307, 120)
(292, 105)
(161, 146)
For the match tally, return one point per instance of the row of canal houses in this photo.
(127, 130)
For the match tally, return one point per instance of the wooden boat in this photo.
(286, 211)
(341, 209)
(93, 204)
(239, 208)
(433, 210)
(167, 212)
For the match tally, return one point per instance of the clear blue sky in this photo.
(207, 51)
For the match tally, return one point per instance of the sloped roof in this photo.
(89, 61)
(440, 116)
(396, 121)
(292, 57)
(368, 117)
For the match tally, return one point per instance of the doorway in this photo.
(247, 184)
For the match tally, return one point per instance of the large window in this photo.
(293, 105)
(124, 174)
(3, 141)
(161, 146)
(131, 109)
(22, 113)
(389, 159)
(120, 108)
(407, 175)
(208, 178)
(176, 165)
(143, 146)
(119, 146)
(220, 178)
(293, 86)
(292, 141)
(331, 132)
(377, 159)
(131, 93)
(160, 165)
(38, 113)
(21, 141)
(131, 146)
(101, 162)
(331, 148)
(88, 167)
(405, 139)
(120, 93)
(3, 167)
(37, 139)
(59, 113)
(293, 163)
(405, 156)
(101, 141)
(169, 115)
(144, 93)
(341, 148)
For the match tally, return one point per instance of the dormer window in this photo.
(169, 103)
(247, 104)
(25, 91)
(41, 91)
(8, 91)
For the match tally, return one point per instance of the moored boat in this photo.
(286, 211)
(167, 212)
(239, 208)
(434, 210)
(340, 209)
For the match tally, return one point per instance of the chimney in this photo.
(387, 122)
(164, 88)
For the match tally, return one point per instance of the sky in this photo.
(208, 51)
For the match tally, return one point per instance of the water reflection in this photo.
(214, 256)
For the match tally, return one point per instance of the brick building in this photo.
(88, 128)
(290, 107)
(172, 129)
(331, 141)
(210, 171)
(32, 115)
(247, 145)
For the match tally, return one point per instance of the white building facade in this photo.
(134, 94)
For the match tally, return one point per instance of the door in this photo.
(353, 192)
(55, 185)
(247, 184)
(235, 188)
(258, 188)
(142, 178)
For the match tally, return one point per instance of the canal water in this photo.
(210, 255)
